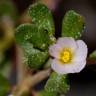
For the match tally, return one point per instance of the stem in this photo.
(21, 68)
(29, 81)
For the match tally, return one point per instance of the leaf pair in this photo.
(35, 38)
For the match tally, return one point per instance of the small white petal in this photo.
(81, 52)
(60, 68)
(54, 50)
(67, 42)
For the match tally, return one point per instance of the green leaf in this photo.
(73, 25)
(4, 86)
(30, 33)
(35, 38)
(36, 58)
(42, 17)
(93, 55)
(45, 93)
(57, 83)
(7, 8)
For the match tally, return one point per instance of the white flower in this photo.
(69, 56)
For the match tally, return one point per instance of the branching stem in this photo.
(30, 81)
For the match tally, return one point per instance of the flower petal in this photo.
(60, 68)
(67, 42)
(81, 52)
(54, 50)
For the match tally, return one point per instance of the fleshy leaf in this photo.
(44, 93)
(93, 55)
(36, 58)
(25, 37)
(4, 86)
(73, 25)
(42, 17)
(30, 33)
(57, 83)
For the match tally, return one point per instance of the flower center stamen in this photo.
(66, 56)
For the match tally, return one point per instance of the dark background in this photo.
(83, 84)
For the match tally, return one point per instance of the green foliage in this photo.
(35, 38)
(73, 25)
(93, 55)
(4, 86)
(30, 33)
(42, 17)
(57, 83)
(33, 41)
(36, 58)
(7, 8)
(45, 93)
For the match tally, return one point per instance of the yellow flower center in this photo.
(66, 56)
